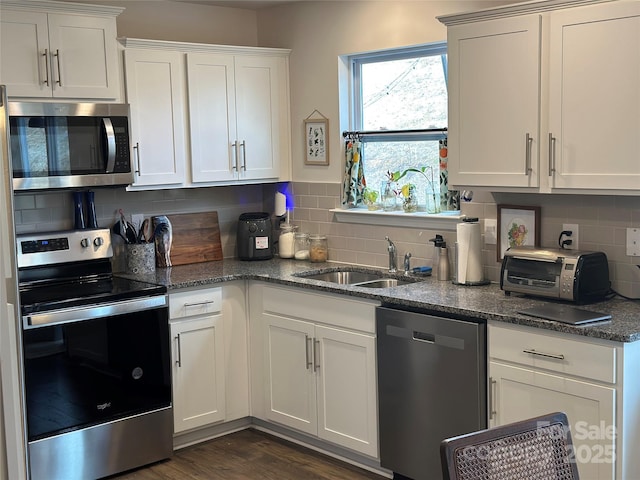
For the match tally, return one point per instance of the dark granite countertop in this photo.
(486, 302)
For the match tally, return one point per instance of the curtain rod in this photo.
(361, 133)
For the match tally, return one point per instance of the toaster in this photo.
(572, 275)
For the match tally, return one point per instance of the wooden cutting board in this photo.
(196, 238)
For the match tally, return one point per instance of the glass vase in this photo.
(389, 196)
(410, 200)
(432, 200)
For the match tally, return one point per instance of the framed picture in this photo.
(518, 226)
(316, 141)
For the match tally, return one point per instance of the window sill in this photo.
(439, 221)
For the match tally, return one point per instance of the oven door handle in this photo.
(108, 309)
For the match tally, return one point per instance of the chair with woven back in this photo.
(539, 448)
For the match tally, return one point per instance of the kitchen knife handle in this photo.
(46, 66)
(557, 356)
(527, 166)
(316, 355)
(178, 351)
(57, 55)
(552, 154)
(492, 410)
(307, 347)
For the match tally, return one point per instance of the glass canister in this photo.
(318, 248)
(301, 246)
(286, 240)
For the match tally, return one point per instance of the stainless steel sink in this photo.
(343, 277)
(358, 279)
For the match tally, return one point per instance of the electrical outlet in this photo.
(633, 242)
(490, 231)
(575, 237)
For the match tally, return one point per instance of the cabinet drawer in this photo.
(553, 352)
(195, 302)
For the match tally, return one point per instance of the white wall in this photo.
(318, 32)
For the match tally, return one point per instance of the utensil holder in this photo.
(141, 258)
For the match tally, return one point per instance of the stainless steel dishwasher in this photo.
(432, 384)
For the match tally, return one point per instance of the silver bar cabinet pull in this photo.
(57, 55)
(492, 409)
(307, 351)
(198, 304)
(557, 356)
(179, 359)
(244, 155)
(46, 66)
(552, 154)
(527, 166)
(316, 354)
(234, 145)
(136, 147)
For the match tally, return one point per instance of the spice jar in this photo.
(301, 246)
(286, 240)
(318, 248)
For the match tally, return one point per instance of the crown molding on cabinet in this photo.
(63, 7)
(536, 6)
(187, 47)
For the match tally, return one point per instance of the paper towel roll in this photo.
(280, 204)
(469, 267)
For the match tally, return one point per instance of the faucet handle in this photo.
(407, 262)
(389, 240)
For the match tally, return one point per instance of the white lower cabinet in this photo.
(319, 365)
(209, 355)
(534, 371)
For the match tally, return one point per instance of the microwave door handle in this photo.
(111, 144)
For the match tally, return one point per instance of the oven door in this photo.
(83, 373)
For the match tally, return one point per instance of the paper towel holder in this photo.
(456, 254)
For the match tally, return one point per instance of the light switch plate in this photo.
(490, 231)
(633, 242)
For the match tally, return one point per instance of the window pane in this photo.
(379, 157)
(404, 94)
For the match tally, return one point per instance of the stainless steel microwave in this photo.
(69, 145)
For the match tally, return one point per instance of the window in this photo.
(400, 111)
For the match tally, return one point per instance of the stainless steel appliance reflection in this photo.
(95, 358)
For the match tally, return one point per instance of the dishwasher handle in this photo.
(424, 337)
(428, 338)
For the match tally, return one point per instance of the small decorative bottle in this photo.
(78, 209)
(92, 220)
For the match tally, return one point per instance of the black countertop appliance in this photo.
(254, 236)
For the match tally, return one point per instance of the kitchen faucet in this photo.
(393, 256)
(407, 263)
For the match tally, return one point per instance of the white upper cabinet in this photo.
(237, 112)
(59, 55)
(155, 92)
(544, 98)
(231, 105)
(494, 72)
(594, 88)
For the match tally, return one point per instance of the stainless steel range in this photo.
(96, 356)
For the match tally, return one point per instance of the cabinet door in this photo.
(24, 54)
(198, 372)
(520, 393)
(212, 115)
(594, 96)
(155, 91)
(83, 56)
(259, 101)
(494, 72)
(347, 406)
(291, 380)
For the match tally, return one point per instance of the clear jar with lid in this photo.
(286, 240)
(318, 248)
(301, 246)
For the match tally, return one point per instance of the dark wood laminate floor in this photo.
(247, 455)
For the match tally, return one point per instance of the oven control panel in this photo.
(47, 248)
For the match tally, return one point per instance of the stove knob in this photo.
(84, 242)
(98, 241)
(253, 227)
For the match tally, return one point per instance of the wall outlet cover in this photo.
(633, 242)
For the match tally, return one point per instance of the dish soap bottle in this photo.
(440, 258)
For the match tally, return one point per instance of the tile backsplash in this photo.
(603, 221)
